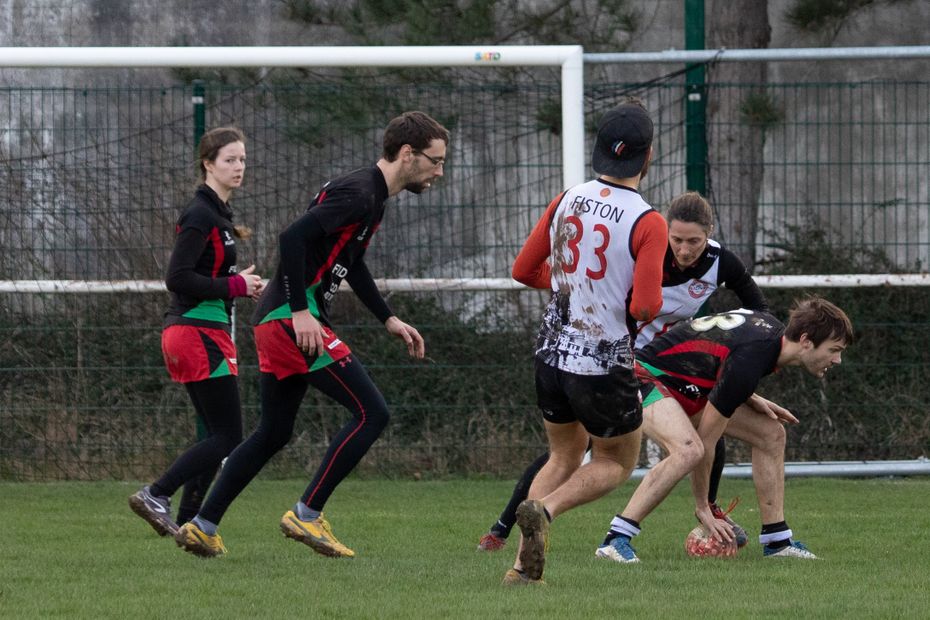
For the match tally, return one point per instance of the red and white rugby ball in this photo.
(700, 544)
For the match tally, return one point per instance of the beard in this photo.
(416, 188)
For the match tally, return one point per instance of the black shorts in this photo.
(606, 405)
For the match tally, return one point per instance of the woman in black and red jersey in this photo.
(297, 347)
(196, 341)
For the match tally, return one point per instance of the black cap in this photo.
(624, 136)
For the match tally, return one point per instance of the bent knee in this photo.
(690, 452)
(377, 417)
(229, 442)
(776, 436)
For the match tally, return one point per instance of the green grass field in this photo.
(75, 550)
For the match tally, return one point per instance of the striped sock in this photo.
(621, 526)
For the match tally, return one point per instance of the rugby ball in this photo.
(700, 544)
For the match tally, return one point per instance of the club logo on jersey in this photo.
(605, 192)
(698, 289)
(361, 236)
(228, 240)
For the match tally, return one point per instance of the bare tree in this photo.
(736, 138)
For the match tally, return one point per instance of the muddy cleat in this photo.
(491, 542)
(531, 517)
(619, 550)
(742, 538)
(794, 550)
(155, 510)
(316, 534)
(194, 540)
(514, 577)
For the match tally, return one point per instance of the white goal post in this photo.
(568, 57)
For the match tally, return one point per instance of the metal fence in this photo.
(93, 179)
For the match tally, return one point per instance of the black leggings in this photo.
(217, 404)
(347, 382)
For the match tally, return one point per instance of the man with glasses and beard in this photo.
(297, 346)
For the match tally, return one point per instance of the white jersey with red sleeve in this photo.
(683, 294)
(585, 328)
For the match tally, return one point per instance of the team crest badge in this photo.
(697, 289)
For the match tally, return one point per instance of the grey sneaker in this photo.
(155, 510)
(531, 517)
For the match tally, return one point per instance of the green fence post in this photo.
(695, 106)
(200, 126)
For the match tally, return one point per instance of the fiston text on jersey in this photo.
(585, 204)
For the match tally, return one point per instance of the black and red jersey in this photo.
(325, 246)
(721, 357)
(201, 263)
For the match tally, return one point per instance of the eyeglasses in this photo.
(436, 161)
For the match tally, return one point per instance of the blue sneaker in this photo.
(619, 550)
(794, 550)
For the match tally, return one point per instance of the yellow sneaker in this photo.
(194, 540)
(513, 577)
(316, 534)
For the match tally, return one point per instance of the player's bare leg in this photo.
(567, 443)
(665, 422)
(612, 462)
(767, 438)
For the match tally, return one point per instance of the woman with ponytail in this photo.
(196, 341)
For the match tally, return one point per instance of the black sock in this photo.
(548, 516)
(500, 530)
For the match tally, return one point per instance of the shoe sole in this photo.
(792, 555)
(323, 548)
(140, 507)
(533, 525)
(514, 579)
(190, 542)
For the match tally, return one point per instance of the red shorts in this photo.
(651, 384)
(279, 354)
(198, 353)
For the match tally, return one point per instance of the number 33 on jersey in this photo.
(592, 267)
